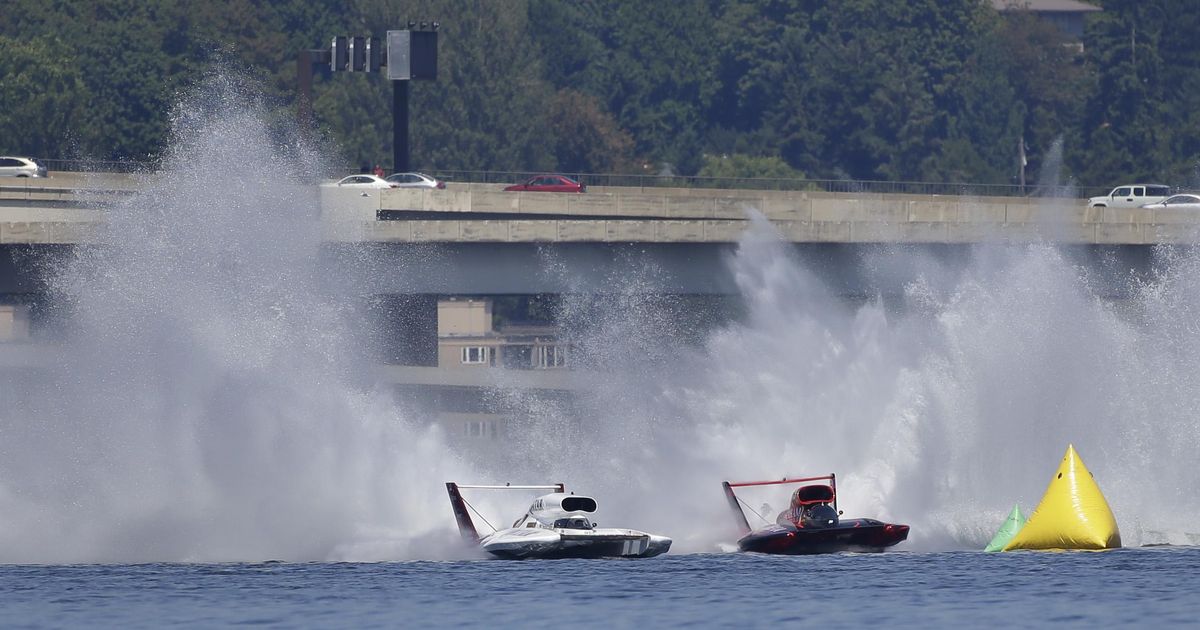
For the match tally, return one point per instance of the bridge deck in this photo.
(70, 209)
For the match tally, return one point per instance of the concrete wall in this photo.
(469, 213)
(696, 215)
(464, 323)
(14, 322)
(464, 317)
(76, 183)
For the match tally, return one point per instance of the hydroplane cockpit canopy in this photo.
(548, 509)
(572, 523)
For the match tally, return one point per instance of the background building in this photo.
(14, 322)
(468, 338)
(1067, 15)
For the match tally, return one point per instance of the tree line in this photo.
(897, 90)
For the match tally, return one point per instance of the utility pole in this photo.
(305, 62)
(400, 152)
(410, 53)
(1021, 160)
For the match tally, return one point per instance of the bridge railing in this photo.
(640, 180)
(95, 166)
(783, 184)
(53, 165)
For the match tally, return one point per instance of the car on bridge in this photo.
(21, 167)
(415, 180)
(548, 183)
(363, 181)
(1131, 196)
(1177, 202)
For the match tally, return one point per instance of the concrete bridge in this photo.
(477, 239)
(67, 208)
(490, 241)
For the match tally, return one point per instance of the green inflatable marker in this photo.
(1011, 526)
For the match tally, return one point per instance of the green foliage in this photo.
(888, 84)
(1140, 121)
(1046, 73)
(869, 89)
(651, 67)
(43, 95)
(489, 107)
(587, 139)
(746, 166)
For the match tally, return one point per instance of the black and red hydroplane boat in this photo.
(812, 523)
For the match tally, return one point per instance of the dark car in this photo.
(549, 183)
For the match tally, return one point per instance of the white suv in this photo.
(20, 167)
(1131, 196)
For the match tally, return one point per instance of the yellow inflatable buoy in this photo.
(1072, 514)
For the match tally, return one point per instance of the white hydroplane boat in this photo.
(555, 526)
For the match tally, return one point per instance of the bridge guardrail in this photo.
(95, 166)
(58, 190)
(636, 180)
(642, 180)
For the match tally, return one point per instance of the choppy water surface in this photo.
(904, 590)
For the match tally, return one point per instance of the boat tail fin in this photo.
(736, 508)
(465, 526)
(1008, 530)
(1073, 514)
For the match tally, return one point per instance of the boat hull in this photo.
(857, 535)
(549, 543)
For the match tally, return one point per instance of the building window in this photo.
(482, 429)
(475, 355)
(551, 356)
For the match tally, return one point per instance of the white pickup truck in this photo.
(1131, 196)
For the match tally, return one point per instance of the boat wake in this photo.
(208, 403)
(940, 407)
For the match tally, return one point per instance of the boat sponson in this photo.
(860, 535)
(566, 537)
(626, 544)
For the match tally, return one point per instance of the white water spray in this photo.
(201, 405)
(941, 412)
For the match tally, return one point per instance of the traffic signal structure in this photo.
(408, 54)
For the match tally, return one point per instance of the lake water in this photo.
(1128, 587)
(206, 401)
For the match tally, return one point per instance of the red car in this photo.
(549, 183)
